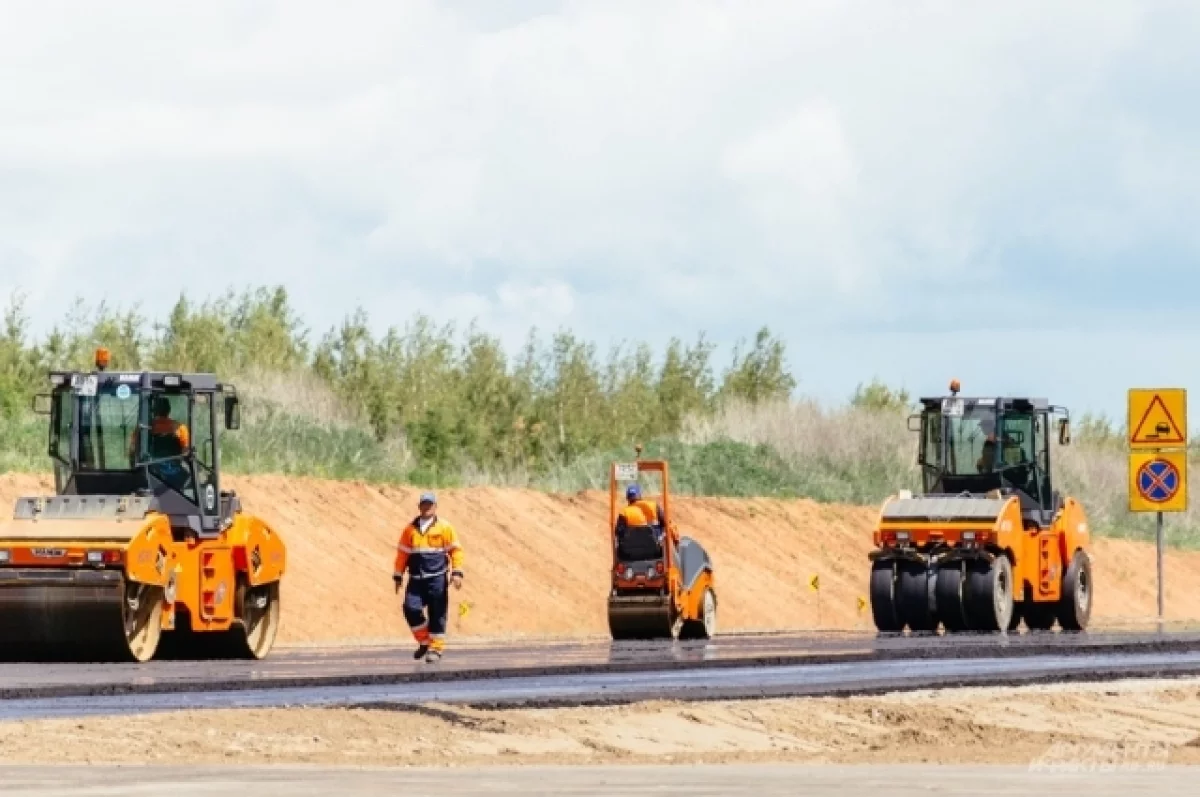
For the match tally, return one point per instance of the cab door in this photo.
(1048, 551)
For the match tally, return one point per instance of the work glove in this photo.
(456, 578)
(398, 580)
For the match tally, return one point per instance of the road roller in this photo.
(989, 542)
(662, 584)
(139, 551)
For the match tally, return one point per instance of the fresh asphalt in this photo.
(563, 673)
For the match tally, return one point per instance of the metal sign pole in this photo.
(1159, 536)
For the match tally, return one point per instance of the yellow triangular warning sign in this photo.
(1157, 425)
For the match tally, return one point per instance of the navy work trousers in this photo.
(430, 594)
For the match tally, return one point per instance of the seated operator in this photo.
(639, 512)
(987, 458)
(168, 437)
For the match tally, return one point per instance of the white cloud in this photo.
(818, 166)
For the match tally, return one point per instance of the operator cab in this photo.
(150, 435)
(980, 445)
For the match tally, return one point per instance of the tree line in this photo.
(454, 396)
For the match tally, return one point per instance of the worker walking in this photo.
(430, 554)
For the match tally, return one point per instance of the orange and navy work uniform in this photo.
(163, 427)
(642, 512)
(429, 552)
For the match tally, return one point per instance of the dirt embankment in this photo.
(537, 564)
(1132, 724)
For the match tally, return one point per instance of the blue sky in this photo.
(1007, 193)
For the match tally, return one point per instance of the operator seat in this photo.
(639, 544)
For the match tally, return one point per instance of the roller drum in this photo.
(641, 617)
(76, 615)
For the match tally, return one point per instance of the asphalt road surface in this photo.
(692, 781)
(855, 677)
(310, 668)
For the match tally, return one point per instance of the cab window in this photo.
(202, 441)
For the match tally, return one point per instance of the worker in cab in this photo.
(987, 457)
(168, 437)
(640, 511)
(430, 555)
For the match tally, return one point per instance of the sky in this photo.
(1004, 193)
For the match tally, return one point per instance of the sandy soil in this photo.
(537, 564)
(1130, 723)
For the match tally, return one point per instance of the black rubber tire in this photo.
(1040, 616)
(949, 590)
(913, 597)
(251, 637)
(884, 608)
(989, 595)
(704, 628)
(1075, 608)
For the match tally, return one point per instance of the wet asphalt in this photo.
(368, 666)
(995, 661)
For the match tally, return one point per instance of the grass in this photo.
(784, 450)
(23, 442)
(859, 456)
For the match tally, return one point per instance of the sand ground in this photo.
(537, 564)
(1127, 724)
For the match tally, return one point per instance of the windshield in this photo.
(970, 442)
(107, 422)
(963, 449)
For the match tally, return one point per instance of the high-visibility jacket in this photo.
(650, 510)
(163, 429)
(642, 512)
(429, 553)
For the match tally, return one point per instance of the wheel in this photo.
(252, 635)
(258, 615)
(914, 597)
(949, 594)
(989, 596)
(883, 597)
(705, 627)
(141, 616)
(1075, 608)
(1040, 616)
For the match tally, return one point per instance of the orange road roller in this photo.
(989, 542)
(662, 584)
(139, 551)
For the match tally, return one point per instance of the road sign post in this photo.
(1159, 542)
(1158, 463)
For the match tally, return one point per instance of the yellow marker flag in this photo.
(463, 608)
(862, 604)
(815, 583)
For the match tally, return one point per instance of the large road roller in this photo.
(139, 551)
(989, 542)
(662, 584)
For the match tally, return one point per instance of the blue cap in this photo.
(428, 498)
(633, 492)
